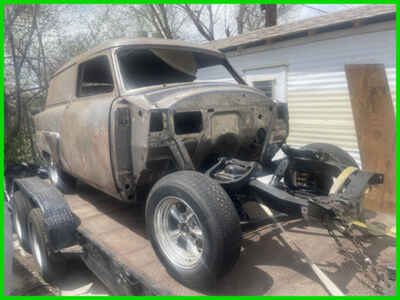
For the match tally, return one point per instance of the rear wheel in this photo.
(193, 227)
(63, 181)
(338, 154)
(335, 152)
(321, 180)
(21, 209)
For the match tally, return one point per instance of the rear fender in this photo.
(59, 220)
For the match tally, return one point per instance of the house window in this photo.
(267, 86)
(94, 77)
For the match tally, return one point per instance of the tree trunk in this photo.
(29, 129)
(271, 14)
(240, 17)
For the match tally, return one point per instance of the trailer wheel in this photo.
(62, 180)
(194, 228)
(8, 251)
(49, 264)
(21, 209)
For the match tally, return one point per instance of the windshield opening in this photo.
(146, 67)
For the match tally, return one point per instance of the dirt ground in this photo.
(280, 272)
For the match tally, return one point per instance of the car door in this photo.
(84, 136)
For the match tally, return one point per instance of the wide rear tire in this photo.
(324, 180)
(336, 152)
(194, 228)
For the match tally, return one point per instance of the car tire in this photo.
(62, 180)
(21, 209)
(194, 228)
(49, 264)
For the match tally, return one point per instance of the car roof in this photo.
(142, 43)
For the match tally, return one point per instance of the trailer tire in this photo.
(21, 209)
(62, 180)
(50, 265)
(8, 251)
(210, 232)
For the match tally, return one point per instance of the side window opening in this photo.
(94, 77)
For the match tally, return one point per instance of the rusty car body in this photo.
(120, 140)
(133, 119)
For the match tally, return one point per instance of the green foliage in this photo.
(18, 148)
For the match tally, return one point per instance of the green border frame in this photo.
(16, 2)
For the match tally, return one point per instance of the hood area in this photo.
(189, 126)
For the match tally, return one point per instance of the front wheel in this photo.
(194, 228)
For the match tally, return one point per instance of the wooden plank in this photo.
(375, 125)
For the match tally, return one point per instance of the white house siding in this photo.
(317, 93)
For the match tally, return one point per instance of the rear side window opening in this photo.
(94, 77)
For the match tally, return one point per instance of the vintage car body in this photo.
(134, 119)
(121, 140)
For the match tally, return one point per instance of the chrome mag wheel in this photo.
(179, 232)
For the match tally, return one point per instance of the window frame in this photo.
(273, 85)
(80, 71)
(238, 79)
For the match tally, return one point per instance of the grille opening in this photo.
(188, 122)
(156, 122)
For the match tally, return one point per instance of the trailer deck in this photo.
(114, 239)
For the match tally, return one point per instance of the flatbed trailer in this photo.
(116, 250)
(112, 236)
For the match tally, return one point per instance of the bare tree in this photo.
(252, 17)
(270, 13)
(203, 18)
(165, 20)
(25, 19)
(25, 68)
(248, 18)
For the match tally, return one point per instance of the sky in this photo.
(88, 12)
(307, 11)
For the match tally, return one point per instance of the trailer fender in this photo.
(59, 220)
